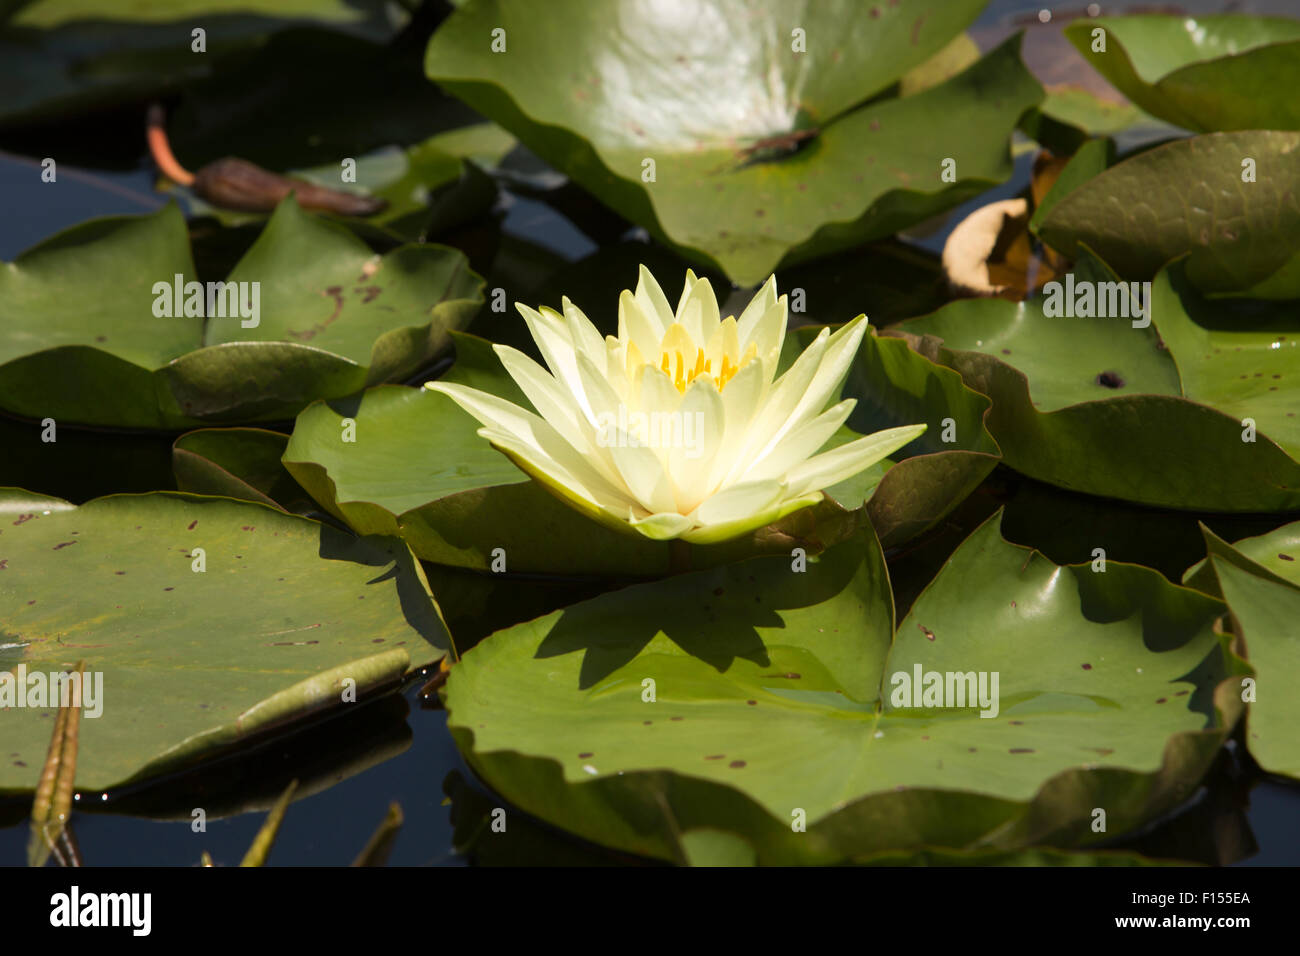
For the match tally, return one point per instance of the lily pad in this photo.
(1091, 159)
(1259, 579)
(82, 308)
(749, 699)
(1274, 556)
(1216, 72)
(241, 463)
(730, 135)
(1228, 199)
(187, 672)
(1097, 405)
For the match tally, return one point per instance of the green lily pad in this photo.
(187, 672)
(80, 340)
(241, 463)
(1260, 581)
(1091, 159)
(761, 154)
(1097, 405)
(775, 701)
(1274, 556)
(1189, 196)
(1216, 72)
(65, 56)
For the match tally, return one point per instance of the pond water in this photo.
(399, 749)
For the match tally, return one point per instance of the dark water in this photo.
(398, 749)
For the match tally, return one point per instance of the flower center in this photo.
(684, 361)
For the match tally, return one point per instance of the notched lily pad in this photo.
(1214, 72)
(1096, 404)
(94, 328)
(186, 672)
(1259, 578)
(732, 135)
(1228, 199)
(750, 697)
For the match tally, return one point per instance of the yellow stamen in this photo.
(675, 351)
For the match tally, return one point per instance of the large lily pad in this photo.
(189, 672)
(1217, 72)
(80, 309)
(761, 152)
(1097, 405)
(1189, 196)
(774, 695)
(1259, 578)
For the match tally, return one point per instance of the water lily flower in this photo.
(678, 427)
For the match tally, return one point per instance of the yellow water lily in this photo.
(678, 427)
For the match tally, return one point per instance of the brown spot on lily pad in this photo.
(1110, 379)
(736, 764)
(1021, 750)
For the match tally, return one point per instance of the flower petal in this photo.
(801, 443)
(739, 501)
(639, 466)
(835, 465)
(713, 533)
(698, 423)
(653, 302)
(662, 526)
